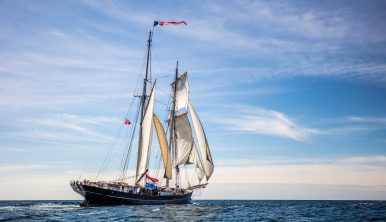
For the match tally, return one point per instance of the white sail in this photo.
(145, 138)
(192, 156)
(202, 142)
(182, 91)
(184, 139)
(194, 159)
(199, 171)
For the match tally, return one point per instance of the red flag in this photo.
(151, 178)
(127, 122)
(159, 23)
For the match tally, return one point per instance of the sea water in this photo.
(200, 210)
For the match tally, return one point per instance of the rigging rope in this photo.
(105, 162)
(130, 145)
(89, 158)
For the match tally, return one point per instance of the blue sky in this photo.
(291, 94)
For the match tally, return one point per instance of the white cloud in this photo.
(366, 119)
(267, 122)
(12, 149)
(354, 125)
(73, 119)
(65, 129)
(263, 121)
(328, 174)
(78, 125)
(365, 160)
(362, 161)
(120, 12)
(343, 178)
(17, 168)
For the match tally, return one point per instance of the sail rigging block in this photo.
(202, 142)
(163, 144)
(145, 138)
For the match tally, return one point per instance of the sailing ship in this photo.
(185, 145)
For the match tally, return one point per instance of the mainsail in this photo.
(202, 142)
(163, 143)
(184, 139)
(145, 139)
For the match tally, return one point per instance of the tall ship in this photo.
(182, 145)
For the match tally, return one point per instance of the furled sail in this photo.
(184, 139)
(145, 138)
(163, 144)
(202, 142)
(182, 91)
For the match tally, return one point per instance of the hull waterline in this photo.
(97, 196)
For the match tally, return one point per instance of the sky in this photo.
(291, 93)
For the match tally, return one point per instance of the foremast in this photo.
(140, 175)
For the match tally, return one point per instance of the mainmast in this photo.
(143, 103)
(145, 80)
(173, 136)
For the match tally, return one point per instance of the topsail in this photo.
(182, 91)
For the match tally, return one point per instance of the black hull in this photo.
(101, 196)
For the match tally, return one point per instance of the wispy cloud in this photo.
(76, 119)
(365, 160)
(357, 170)
(11, 149)
(306, 42)
(366, 119)
(270, 161)
(354, 125)
(358, 161)
(268, 122)
(64, 127)
(258, 120)
(17, 168)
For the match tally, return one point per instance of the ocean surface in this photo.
(200, 210)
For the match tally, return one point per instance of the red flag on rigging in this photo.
(127, 122)
(159, 23)
(151, 178)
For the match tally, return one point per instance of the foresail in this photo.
(199, 171)
(202, 142)
(194, 159)
(182, 91)
(145, 138)
(163, 143)
(192, 156)
(184, 139)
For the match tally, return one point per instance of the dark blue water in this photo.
(204, 210)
